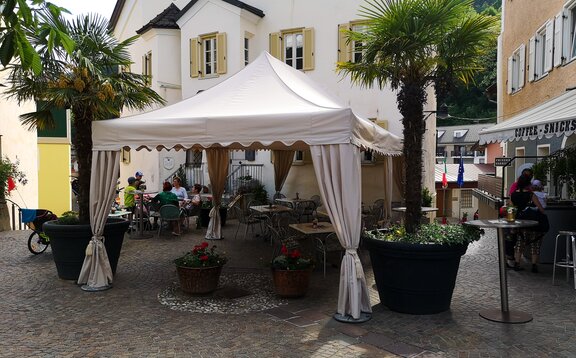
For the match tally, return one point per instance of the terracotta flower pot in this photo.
(199, 280)
(291, 283)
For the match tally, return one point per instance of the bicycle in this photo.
(38, 241)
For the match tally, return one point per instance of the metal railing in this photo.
(194, 174)
(243, 175)
(16, 214)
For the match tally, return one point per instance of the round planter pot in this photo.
(291, 283)
(415, 278)
(199, 280)
(69, 244)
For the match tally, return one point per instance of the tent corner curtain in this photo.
(96, 272)
(338, 172)
(217, 159)
(282, 163)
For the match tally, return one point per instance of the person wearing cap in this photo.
(129, 194)
(538, 190)
(138, 175)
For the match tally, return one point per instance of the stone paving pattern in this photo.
(43, 316)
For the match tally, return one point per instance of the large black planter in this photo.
(205, 216)
(415, 278)
(69, 244)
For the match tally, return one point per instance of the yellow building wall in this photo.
(54, 191)
(521, 20)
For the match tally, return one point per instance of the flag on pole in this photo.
(444, 179)
(460, 180)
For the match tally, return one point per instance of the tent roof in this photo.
(266, 105)
(556, 117)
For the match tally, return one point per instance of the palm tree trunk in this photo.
(82, 140)
(411, 99)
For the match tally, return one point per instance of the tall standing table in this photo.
(504, 314)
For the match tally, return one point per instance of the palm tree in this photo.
(19, 19)
(87, 81)
(410, 45)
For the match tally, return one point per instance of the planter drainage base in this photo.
(95, 289)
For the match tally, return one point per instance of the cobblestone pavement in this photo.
(43, 316)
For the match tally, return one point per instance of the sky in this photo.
(77, 7)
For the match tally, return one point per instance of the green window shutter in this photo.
(308, 49)
(60, 129)
(275, 45)
(343, 47)
(194, 57)
(221, 49)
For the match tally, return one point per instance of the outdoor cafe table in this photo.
(140, 215)
(504, 314)
(425, 210)
(122, 214)
(271, 209)
(291, 202)
(309, 229)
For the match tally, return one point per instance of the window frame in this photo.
(211, 39)
(516, 70)
(147, 67)
(294, 58)
(357, 49)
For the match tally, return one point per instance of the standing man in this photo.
(139, 180)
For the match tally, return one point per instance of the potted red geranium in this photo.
(199, 269)
(291, 273)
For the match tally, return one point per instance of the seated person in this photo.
(167, 197)
(179, 190)
(196, 199)
(129, 203)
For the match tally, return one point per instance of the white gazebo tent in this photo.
(267, 105)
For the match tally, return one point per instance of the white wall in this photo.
(20, 143)
(208, 16)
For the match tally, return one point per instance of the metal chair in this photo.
(568, 262)
(168, 213)
(244, 219)
(327, 244)
(316, 199)
(305, 208)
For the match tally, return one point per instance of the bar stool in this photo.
(568, 262)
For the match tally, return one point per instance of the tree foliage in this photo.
(87, 81)
(410, 45)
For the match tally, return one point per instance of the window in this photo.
(209, 52)
(208, 55)
(246, 51)
(193, 158)
(516, 69)
(147, 67)
(295, 47)
(465, 198)
(250, 155)
(540, 52)
(125, 156)
(460, 133)
(367, 157)
(354, 50)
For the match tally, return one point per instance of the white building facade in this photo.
(189, 46)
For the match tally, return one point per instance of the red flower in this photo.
(204, 258)
(284, 250)
(295, 254)
(204, 245)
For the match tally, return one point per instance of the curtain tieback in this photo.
(357, 263)
(96, 239)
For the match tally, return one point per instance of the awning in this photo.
(557, 117)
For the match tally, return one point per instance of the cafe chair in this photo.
(244, 219)
(568, 262)
(327, 244)
(305, 211)
(168, 213)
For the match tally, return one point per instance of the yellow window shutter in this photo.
(308, 49)
(343, 47)
(194, 57)
(221, 53)
(144, 64)
(382, 123)
(275, 45)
